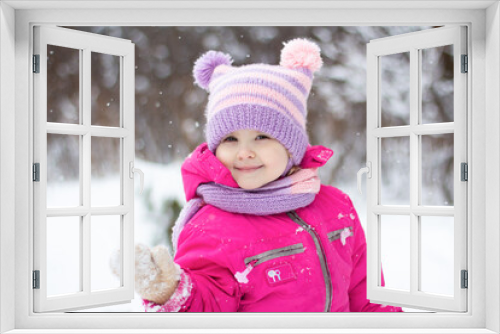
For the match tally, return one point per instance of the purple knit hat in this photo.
(267, 98)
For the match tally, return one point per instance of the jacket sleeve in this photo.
(206, 283)
(357, 289)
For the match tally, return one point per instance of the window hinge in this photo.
(36, 279)
(36, 172)
(465, 279)
(465, 64)
(36, 63)
(464, 171)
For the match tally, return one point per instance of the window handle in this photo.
(368, 170)
(136, 170)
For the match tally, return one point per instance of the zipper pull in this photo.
(241, 277)
(346, 233)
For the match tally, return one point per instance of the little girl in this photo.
(259, 233)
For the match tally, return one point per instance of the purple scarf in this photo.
(285, 194)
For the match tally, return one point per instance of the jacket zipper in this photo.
(321, 255)
(274, 253)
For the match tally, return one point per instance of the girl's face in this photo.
(253, 157)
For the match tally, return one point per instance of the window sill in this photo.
(264, 330)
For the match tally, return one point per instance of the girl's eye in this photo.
(230, 139)
(260, 137)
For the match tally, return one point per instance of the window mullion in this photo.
(415, 99)
(86, 167)
(80, 130)
(127, 117)
(377, 164)
(419, 129)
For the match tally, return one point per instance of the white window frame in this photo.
(413, 44)
(16, 126)
(85, 44)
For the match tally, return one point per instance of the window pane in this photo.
(105, 239)
(395, 89)
(63, 170)
(105, 89)
(395, 251)
(436, 237)
(395, 171)
(63, 255)
(106, 186)
(63, 84)
(437, 84)
(437, 169)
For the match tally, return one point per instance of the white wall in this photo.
(7, 124)
(492, 163)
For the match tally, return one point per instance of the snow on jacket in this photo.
(309, 260)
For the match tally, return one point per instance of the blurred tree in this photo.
(163, 216)
(171, 209)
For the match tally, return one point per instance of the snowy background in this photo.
(169, 125)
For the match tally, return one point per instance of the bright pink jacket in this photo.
(311, 260)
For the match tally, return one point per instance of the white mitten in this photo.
(156, 274)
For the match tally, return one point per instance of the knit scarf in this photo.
(285, 194)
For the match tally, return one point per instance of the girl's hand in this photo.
(156, 274)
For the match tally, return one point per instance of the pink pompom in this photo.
(205, 66)
(301, 53)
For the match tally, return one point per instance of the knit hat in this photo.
(262, 97)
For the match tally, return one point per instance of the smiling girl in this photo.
(259, 233)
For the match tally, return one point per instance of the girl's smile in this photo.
(247, 169)
(254, 158)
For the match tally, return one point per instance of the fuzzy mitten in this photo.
(156, 274)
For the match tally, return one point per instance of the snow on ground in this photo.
(164, 182)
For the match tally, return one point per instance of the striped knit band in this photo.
(262, 118)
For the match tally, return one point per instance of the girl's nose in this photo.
(245, 153)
